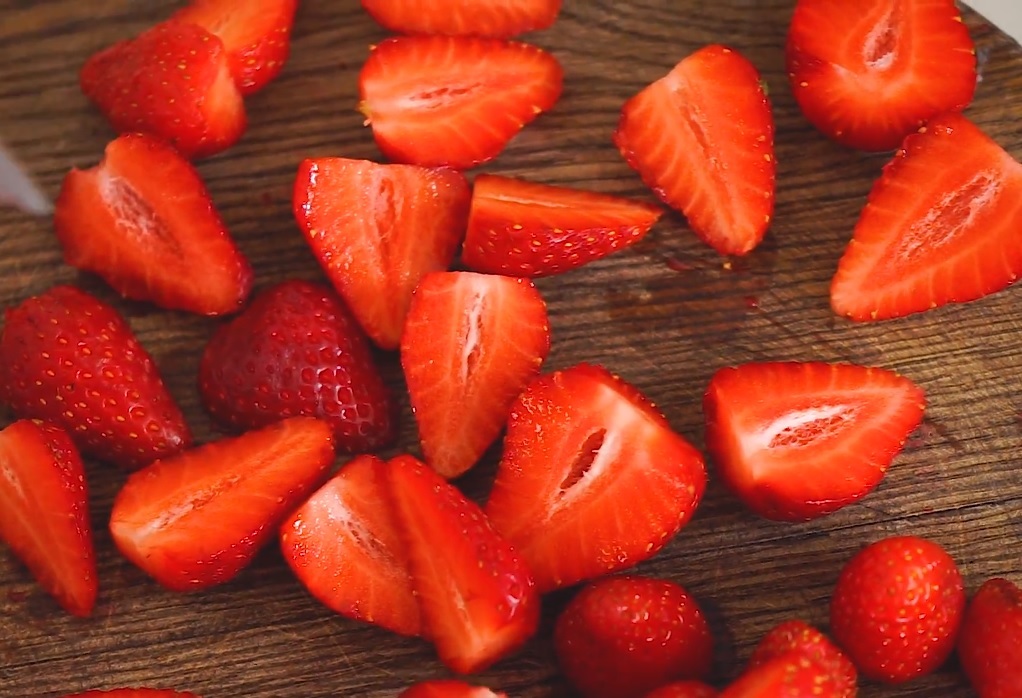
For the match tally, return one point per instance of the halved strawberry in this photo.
(256, 35)
(943, 224)
(44, 512)
(343, 544)
(702, 138)
(198, 518)
(816, 438)
(143, 220)
(478, 600)
(522, 228)
(134, 693)
(592, 479)
(172, 81)
(454, 101)
(471, 344)
(868, 73)
(789, 675)
(377, 230)
(499, 20)
(448, 688)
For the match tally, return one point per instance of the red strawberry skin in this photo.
(897, 607)
(990, 640)
(376, 261)
(522, 228)
(344, 546)
(134, 693)
(297, 350)
(818, 437)
(44, 497)
(197, 519)
(68, 358)
(592, 479)
(454, 101)
(622, 637)
(684, 689)
(499, 20)
(866, 74)
(789, 675)
(798, 636)
(143, 220)
(941, 225)
(448, 688)
(174, 82)
(702, 138)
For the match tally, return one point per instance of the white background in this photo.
(1006, 14)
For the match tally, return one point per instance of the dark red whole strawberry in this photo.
(684, 689)
(799, 636)
(297, 350)
(448, 688)
(68, 358)
(990, 640)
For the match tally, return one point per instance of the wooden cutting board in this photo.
(664, 315)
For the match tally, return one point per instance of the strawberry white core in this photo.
(880, 50)
(798, 428)
(8, 474)
(955, 214)
(472, 332)
(132, 214)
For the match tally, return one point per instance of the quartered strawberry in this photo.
(172, 81)
(789, 675)
(702, 138)
(866, 74)
(522, 228)
(198, 518)
(990, 640)
(343, 544)
(815, 438)
(943, 224)
(134, 693)
(592, 478)
(684, 689)
(454, 101)
(448, 688)
(377, 230)
(798, 636)
(44, 512)
(256, 35)
(500, 20)
(477, 598)
(70, 359)
(143, 220)
(896, 608)
(471, 344)
(297, 350)
(622, 637)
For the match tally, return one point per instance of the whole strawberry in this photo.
(70, 359)
(990, 641)
(798, 636)
(297, 350)
(896, 608)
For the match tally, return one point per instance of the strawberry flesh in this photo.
(448, 688)
(990, 640)
(498, 20)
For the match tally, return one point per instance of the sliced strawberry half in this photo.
(343, 544)
(471, 344)
(592, 479)
(377, 230)
(448, 688)
(198, 518)
(454, 101)
(816, 438)
(943, 224)
(702, 138)
(523, 228)
(500, 20)
(868, 73)
(477, 597)
(143, 220)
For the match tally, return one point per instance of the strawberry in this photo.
(522, 228)
(375, 261)
(990, 640)
(702, 138)
(172, 81)
(143, 220)
(44, 512)
(941, 225)
(477, 598)
(789, 675)
(471, 344)
(817, 438)
(344, 546)
(297, 350)
(454, 101)
(448, 688)
(896, 608)
(70, 359)
(592, 478)
(198, 518)
(868, 73)
(798, 636)
(622, 637)
(499, 20)
(684, 689)
(256, 35)
(134, 693)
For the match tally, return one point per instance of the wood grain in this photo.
(663, 329)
